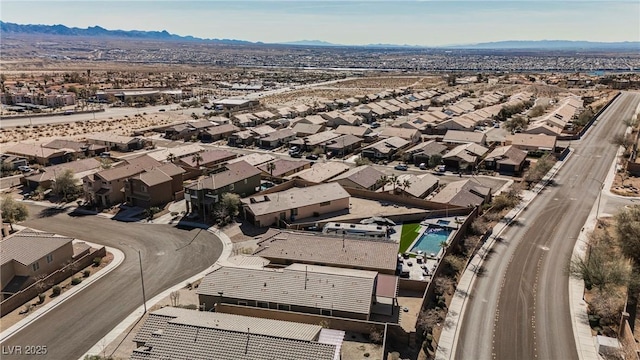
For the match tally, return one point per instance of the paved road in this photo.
(169, 256)
(519, 308)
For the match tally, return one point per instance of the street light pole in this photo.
(599, 197)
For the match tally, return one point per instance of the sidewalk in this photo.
(118, 258)
(227, 248)
(449, 337)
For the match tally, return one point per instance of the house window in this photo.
(143, 188)
(242, 302)
(294, 212)
(325, 203)
(35, 266)
(49, 258)
(263, 304)
(325, 312)
(284, 307)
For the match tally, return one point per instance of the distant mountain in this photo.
(97, 31)
(309, 43)
(551, 45)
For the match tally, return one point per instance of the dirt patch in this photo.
(386, 82)
(309, 96)
(34, 304)
(356, 346)
(630, 188)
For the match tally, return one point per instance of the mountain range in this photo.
(97, 31)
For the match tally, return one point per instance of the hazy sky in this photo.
(347, 22)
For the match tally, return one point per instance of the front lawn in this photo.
(409, 234)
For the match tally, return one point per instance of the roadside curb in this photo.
(118, 258)
(447, 343)
(227, 247)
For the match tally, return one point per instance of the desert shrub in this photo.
(86, 273)
(41, 298)
(56, 291)
(76, 281)
(97, 261)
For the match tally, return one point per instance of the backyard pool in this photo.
(429, 241)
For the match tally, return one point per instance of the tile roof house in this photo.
(455, 137)
(321, 172)
(464, 156)
(423, 152)
(28, 254)
(154, 187)
(419, 186)
(286, 247)
(342, 145)
(532, 143)
(301, 288)
(312, 141)
(218, 132)
(209, 159)
(239, 178)
(385, 148)
(276, 139)
(361, 177)
(176, 153)
(116, 142)
(411, 135)
(47, 175)
(254, 159)
(39, 154)
(302, 130)
(359, 131)
(466, 193)
(283, 167)
(295, 203)
(182, 334)
(506, 160)
(106, 187)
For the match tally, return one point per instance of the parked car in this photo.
(422, 166)
(375, 125)
(441, 168)
(25, 169)
(312, 157)
(295, 154)
(402, 167)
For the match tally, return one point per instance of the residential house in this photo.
(310, 142)
(206, 160)
(27, 254)
(188, 130)
(74, 149)
(539, 143)
(40, 154)
(246, 120)
(116, 142)
(309, 289)
(154, 187)
(461, 123)
(336, 118)
(418, 186)
(176, 153)
(218, 132)
(235, 104)
(277, 139)
(466, 193)
(545, 129)
(423, 152)
(265, 115)
(321, 172)
(464, 157)
(411, 135)
(302, 129)
(46, 177)
(506, 160)
(239, 178)
(106, 187)
(295, 203)
(313, 120)
(175, 333)
(454, 138)
(286, 247)
(342, 145)
(359, 131)
(12, 162)
(361, 177)
(242, 138)
(283, 168)
(385, 148)
(254, 159)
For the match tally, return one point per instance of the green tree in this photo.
(171, 158)
(270, 167)
(600, 267)
(231, 202)
(65, 185)
(362, 161)
(627, 229)
(435, 160)
(13, 211)
(197, 157)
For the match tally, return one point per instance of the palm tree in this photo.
(196, 158)
(270, 167)
(171, 158)
(383, 181)
(393, 180)
(405, 184)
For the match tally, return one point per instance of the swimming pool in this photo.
(429, 241)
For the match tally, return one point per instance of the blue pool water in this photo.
(429, 241)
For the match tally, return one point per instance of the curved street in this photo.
(519, 306)
(169, 255)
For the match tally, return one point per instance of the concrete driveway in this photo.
(169, 256)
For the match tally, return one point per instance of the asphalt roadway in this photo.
(169, 256)
(519, 304)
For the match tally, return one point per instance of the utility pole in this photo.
(144, 297)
